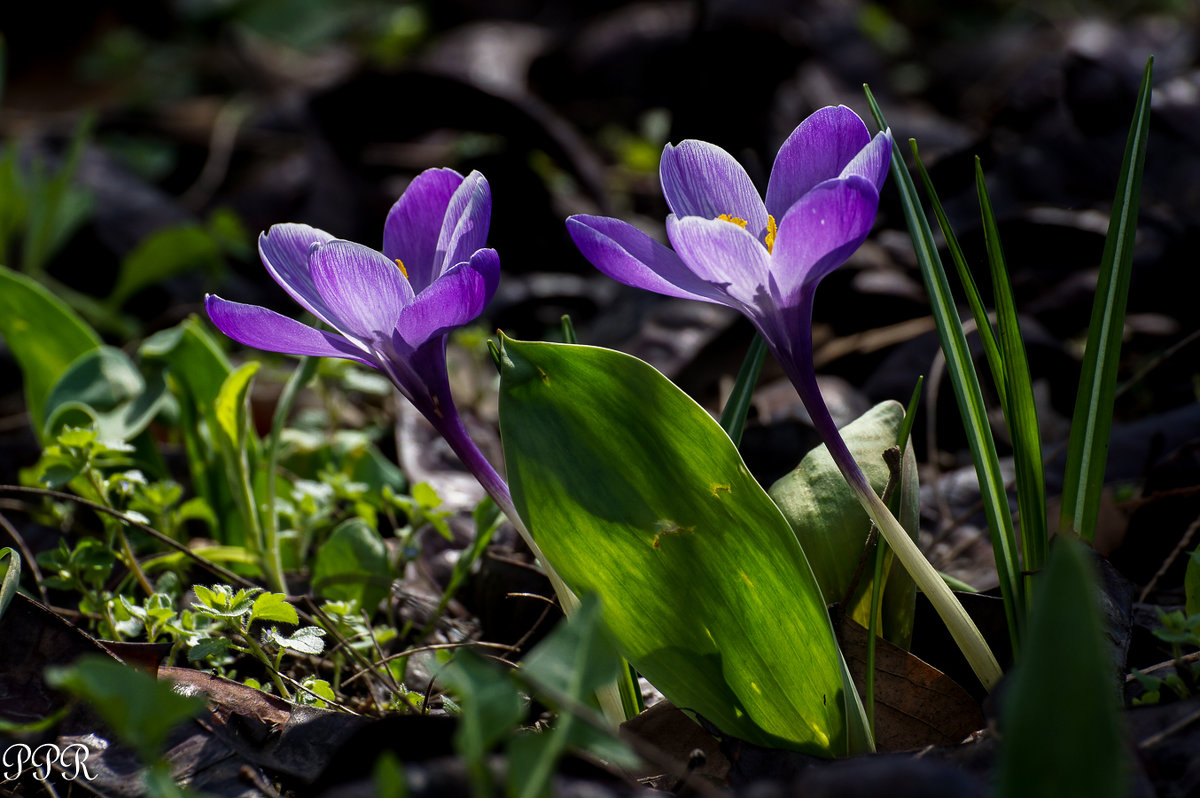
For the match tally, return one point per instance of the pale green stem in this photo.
(966, 635)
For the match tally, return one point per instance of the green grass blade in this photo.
(10, 578)
(983, 324)
(568, 330)
(966, 390)
(733, 417)
(1020, 410)
(1092, 421)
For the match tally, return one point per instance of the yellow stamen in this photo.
(772, 228)
(403, 270)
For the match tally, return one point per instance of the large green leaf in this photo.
(104, 388)
(43, 334)
(353, 564)
(832, 526)
(193, 358)
(633, 492)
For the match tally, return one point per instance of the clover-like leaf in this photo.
(306, 640)
(273, 607)
(208, 647)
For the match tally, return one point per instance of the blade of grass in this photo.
(1020, 410)
(11, 577)
(733, 416)
(1092, 420)
(568, 330)
(961, 370)
(983, 324)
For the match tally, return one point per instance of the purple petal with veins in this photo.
(363, 289)
(414, 224)
(818, 149)
(284, 250)
(701, 179)
(265, 329)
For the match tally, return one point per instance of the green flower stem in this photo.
(957, 621)
(452, 430)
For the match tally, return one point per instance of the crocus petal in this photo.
(265, 329)
(818, 149)
(454, 299)
(873, 160)
(414, 223)
(284, 251)
(465, 227)
(723, 255)
(364, 290)
(701, 179)
(629, 256)
(820, 232)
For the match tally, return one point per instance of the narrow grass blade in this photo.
(568, 330)
(1092, 421)
(983, 324)
(733, 417)
(10, 578)
(1020, 410)
(966, 390)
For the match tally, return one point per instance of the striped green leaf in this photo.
(633, 492)
(1092, 421)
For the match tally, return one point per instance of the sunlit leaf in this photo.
(635, 493)
(306, 640)
(10, 577)
(273, 607)
(103, 388)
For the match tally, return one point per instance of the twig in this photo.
(1158, 737)
(431, 647)
(1184, 542)
(224, 573)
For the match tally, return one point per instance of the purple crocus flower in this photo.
(391, 310)
(763, 259)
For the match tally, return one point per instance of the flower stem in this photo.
(455, 433)
(930, 582)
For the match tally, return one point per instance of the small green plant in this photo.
(236, 612)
